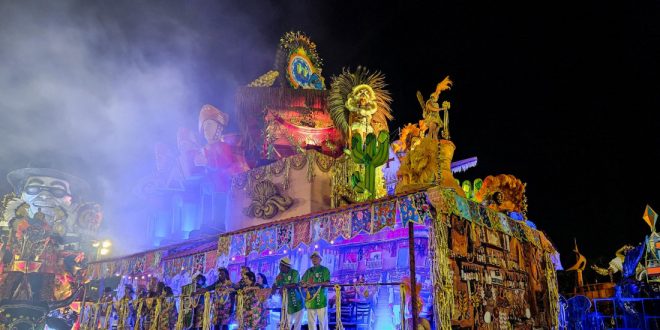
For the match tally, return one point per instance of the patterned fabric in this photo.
(360, 221)
(321, 229)
(252, 242)
(504, 223)
(268, 239)
(223, 303)
(284, 235)
(483, 215)
(515, 229)
(407, 210)
(294, 297)
(301, 233)
(223, 245)
(340, 225)
(423, 206)
(199, 262)
(384, 215)
(462, 207)
(254, 315)
(237, 245)
(494, 219)
(316, 297)
(210, 258)
(475, 212)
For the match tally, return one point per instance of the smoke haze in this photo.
(90, 88)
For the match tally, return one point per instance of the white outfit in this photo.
(296, 320)
(321, 314)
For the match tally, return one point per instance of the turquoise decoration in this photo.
(371, 154)
(302, 73)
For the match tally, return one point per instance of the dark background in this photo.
(563, 96)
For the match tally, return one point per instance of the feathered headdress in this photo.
(343, 85)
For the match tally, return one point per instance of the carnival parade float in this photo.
(626, 292)
(313, 175)
(48, 230)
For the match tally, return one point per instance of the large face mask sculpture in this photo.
(46, 194)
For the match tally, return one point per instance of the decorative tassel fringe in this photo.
(284, 316)
(138, 318)
(179, 319)
(442, 277)
(240, 309)
(402, 310)
(340, 325)
(206, 322)
(463, 165)
(553, 289)
(154, 320)
(108, 314)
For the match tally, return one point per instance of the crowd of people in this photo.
(242, 303)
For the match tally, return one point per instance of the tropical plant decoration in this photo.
(371, 154)
(349, 89)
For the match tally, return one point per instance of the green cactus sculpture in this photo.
(373, 153)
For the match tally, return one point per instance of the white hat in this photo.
(286, 261)
(315, 253)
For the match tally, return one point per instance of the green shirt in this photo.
(295, 298)
(316, 297)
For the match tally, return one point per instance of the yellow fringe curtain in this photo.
(240, 309)
(402, 310)
(108, 314)
(340, 325)
(123, 314)
(206, 322)
(179, 319)
(284, 317)
(156, 315)
(553, 289)
(138, 317)
(442, 276)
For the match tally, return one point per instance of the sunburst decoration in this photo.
(342, 86)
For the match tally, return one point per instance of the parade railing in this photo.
(178, 312)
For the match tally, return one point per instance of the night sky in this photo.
(563, 97)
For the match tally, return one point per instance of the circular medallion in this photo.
(301, 72)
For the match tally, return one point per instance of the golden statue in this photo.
(359, 103)
(432, 110)
(418, 166)
(362, 105)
